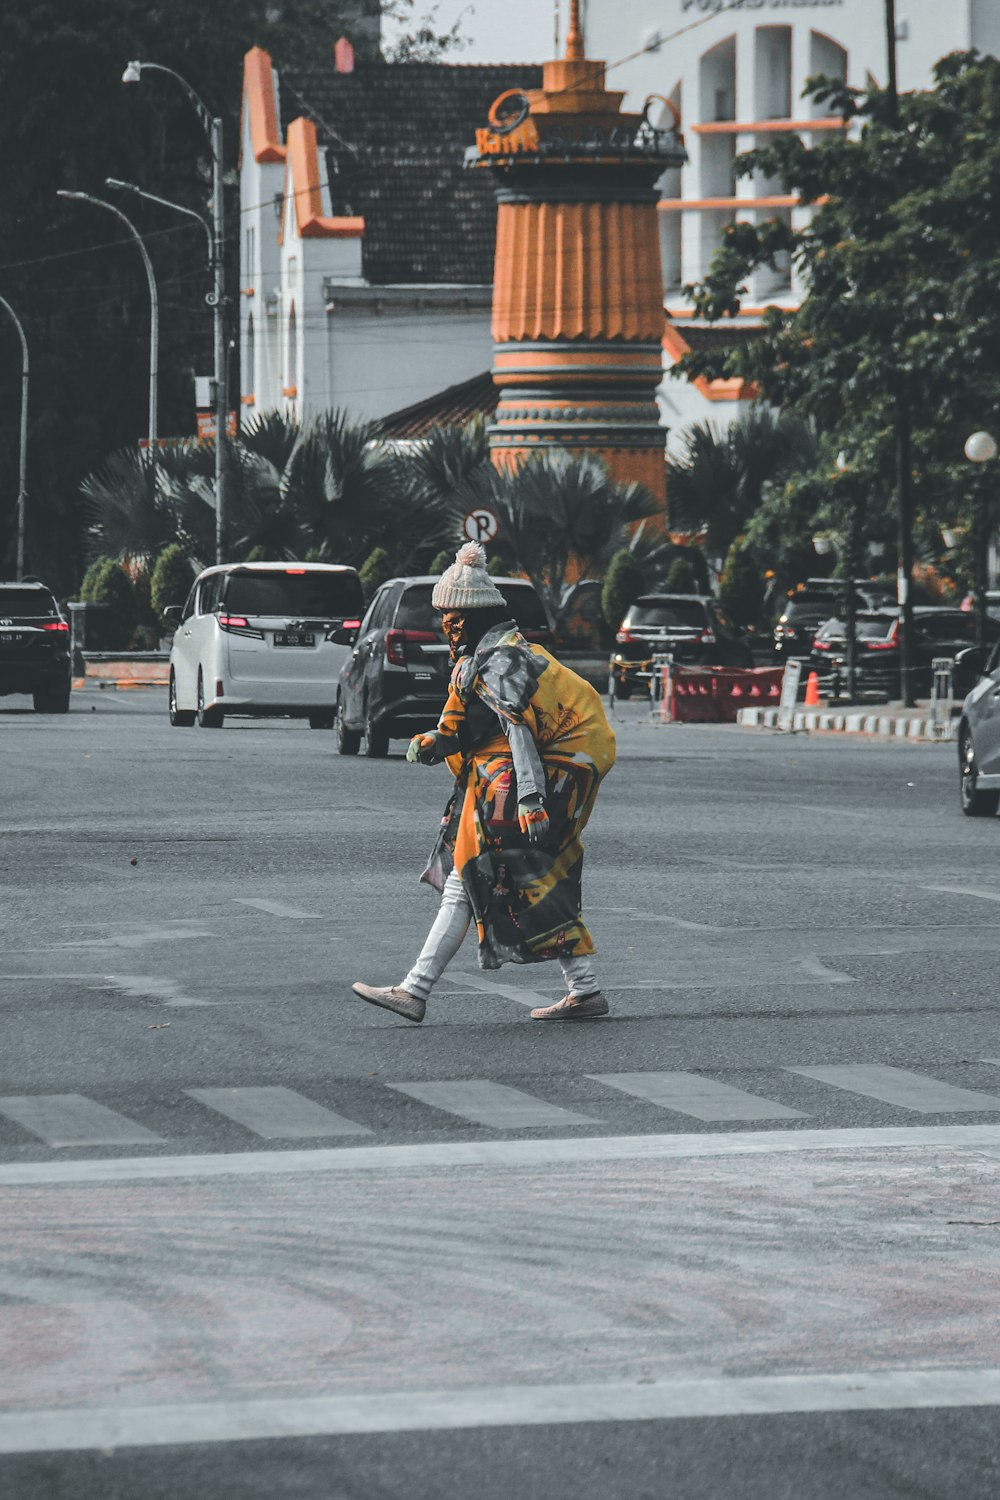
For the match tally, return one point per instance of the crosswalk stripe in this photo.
(487, 1103)
(73, 1120)
(277, 909)
(277, 1114)
(925, 1096)
(702, 1098)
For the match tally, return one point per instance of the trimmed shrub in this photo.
(623, 583)
(374, 571)
(741, 588)
(171, 579)
(440, 561)
(111, 625)
(680, 577)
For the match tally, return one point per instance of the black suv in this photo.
(34, 646)
(692, 628)
(395, 681)
(816, 601)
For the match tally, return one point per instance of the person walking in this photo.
(528, 743)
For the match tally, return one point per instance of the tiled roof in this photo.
(453, 407)
(395, 136)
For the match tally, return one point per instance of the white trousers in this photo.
(446, 937)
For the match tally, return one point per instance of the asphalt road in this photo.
(739, 1239)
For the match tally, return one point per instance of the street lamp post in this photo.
(852, 566)
(154, 321)
(212, 125)
(980, 447)
(22, 473)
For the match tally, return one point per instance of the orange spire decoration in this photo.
(574, 34)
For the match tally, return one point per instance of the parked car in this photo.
(813, 603)
(256, 640)
(34, 646)
(395, 679)
(979, 734)
(692, 628)
(939, 633)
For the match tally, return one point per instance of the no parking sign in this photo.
(481, 525)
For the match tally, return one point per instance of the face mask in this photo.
(453, 625)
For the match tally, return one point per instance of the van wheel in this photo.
(208, 718)
(180, 718)
(376, 740)
(348, 740)
(321, 721)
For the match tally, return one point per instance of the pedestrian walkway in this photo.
(270, 1113)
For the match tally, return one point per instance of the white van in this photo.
(254, 639)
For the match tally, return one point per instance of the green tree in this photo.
(171, 579)
(741, 587)
(680, 578)
(623, 583)
(112, 622)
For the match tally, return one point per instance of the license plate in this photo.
(293, 638)
(7, 637)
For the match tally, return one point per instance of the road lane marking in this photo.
(73, 1120)
(278, 909)
(964, 890)
(487, 1103)
(277, 1114)
(554, 1151)
(817, 969)
(106, 1428)
(692, 1094)
(926, 1096)
(148, 987)
(490, 987)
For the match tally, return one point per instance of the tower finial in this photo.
(574, 32)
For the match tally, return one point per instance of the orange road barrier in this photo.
(714, 695)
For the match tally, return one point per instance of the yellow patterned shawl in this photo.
(525, 898)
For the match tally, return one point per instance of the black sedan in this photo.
(940, 633)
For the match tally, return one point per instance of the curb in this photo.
(886, 726)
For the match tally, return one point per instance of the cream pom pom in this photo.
(471, 555)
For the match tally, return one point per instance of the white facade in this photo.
(314, 335)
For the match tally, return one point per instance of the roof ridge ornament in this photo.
(575, 50)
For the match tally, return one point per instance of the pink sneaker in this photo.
(573, 1008)
(391, 997)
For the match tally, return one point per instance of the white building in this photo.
(735, 73)
(366, 254)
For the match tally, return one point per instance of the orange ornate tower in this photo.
(578, 294)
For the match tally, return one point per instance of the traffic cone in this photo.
(812, 690)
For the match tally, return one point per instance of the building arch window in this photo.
(830, 58)
(773, 72)
(250, 373)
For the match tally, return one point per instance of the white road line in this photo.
(73, 1120)
(277, 1114)
(278, 909)
(554, 1151)
(926, 1096)
(817, 969)
(702, 1098)
(490, 987)
(487, 1103)
(148, 987)
(95, 1428)
(964, 890)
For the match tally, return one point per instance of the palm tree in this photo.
(562, 518)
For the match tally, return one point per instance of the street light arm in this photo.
(22, 488)
(135, 70)
(130, 187)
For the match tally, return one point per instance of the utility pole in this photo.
(903, 427)
(22, 484)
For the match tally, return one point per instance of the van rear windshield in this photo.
(415, 611)
(321, 596)
(26, 602)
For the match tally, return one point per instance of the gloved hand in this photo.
(429, 749)
(533, 819)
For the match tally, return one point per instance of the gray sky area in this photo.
(515, 31)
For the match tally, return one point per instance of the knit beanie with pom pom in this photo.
(466, 584)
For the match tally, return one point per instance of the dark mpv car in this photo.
(34, 646)
(692, 628)
(395, 681)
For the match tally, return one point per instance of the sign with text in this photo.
(789, 692)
